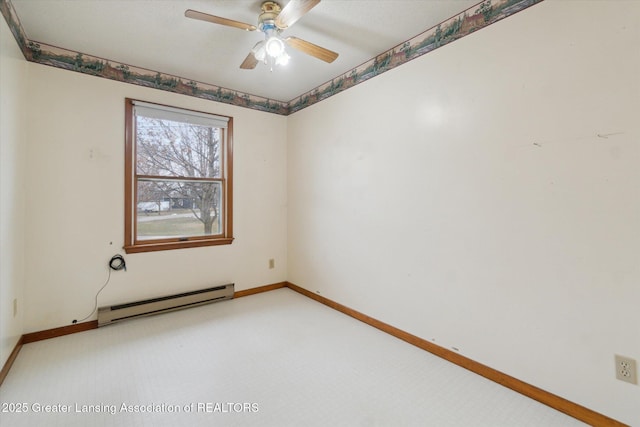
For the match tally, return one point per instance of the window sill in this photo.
(152, 247)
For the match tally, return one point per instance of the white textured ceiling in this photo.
(155, 34)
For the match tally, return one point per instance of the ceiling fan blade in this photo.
(293, 11)
(218, 20)
(311, 49)
(249, 62)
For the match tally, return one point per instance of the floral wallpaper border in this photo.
(471, 20)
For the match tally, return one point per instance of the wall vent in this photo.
(116, 313)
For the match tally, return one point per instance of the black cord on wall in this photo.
(116, 263)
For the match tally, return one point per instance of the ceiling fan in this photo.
(272, 21)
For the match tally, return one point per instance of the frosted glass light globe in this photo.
(274, 47)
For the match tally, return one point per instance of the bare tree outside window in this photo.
(176, 149)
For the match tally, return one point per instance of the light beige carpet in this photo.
(272, 359)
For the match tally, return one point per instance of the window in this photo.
(178, 178)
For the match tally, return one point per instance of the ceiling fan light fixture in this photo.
(274, 46)
(283, 59)
(259, 51)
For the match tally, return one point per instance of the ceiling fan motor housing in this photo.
(267, 19)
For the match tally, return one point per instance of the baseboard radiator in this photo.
(117, 313)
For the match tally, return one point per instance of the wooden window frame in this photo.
(132, 245)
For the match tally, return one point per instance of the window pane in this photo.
(178, 208)
(173, 148)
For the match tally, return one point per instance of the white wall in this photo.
(75, 197)
(487, 197)
(13, 90)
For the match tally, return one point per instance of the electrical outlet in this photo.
(272, 263)
(626, 369)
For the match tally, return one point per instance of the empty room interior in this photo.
(413, 212)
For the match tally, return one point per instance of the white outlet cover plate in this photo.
(626, 369)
